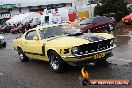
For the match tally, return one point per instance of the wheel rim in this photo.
(21, 56)
(89, 31)
(54, 62)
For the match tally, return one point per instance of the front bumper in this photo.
(90, 61)
(78, 58)
(127, 21)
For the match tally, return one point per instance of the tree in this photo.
(119, 7)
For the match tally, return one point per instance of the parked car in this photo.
(97, 24)
(59, 46)
(75, 23)
(7, 28)
(2, 41)
(127, 19)
(16, 30)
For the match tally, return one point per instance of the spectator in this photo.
(27, 26)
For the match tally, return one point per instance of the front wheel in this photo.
(56, 63)
(22, 56)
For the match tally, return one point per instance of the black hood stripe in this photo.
(91, 37)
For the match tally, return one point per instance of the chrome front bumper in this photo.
(85, 55)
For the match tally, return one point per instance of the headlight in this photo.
(74, 50)
(3, 40)
(112, 42)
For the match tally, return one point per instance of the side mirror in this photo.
(35, 38)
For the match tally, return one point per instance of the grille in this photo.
(94, 47)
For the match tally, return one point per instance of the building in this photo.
(9, 10)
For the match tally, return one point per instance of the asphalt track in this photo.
(37, 74)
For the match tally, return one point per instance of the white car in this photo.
(2, 41)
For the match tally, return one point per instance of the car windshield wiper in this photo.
(51, 36)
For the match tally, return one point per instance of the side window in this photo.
(104, 19)
(100, 19)
(97, 20)
(30, 35)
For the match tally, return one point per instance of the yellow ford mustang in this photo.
(57, 45)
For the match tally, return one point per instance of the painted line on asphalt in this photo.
(130, 43)
(1, 74)
(121, 59)
(123, 35)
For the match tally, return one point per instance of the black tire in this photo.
(4, 44)
(103, 60)
(56, 62)
(22, 56)
(108, 29)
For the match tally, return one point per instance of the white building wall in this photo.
(15, 11)
(25, 10)
(3, 10)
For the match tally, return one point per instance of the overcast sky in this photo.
(22, 1)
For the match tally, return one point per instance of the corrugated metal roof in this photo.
(43, 3)
(8, 6)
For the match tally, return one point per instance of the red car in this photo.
(127, 19)
(97, 24)
(16, 30)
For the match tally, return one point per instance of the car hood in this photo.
(70, 41)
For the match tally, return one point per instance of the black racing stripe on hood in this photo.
(91, 37)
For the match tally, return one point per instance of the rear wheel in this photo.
(4, 44)
(89, 31)
(22, 56)
(56, 63)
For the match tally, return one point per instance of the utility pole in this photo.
(1, 2)
(90, 9)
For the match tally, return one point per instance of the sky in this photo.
(22, 1)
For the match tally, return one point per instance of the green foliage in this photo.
(119, 7)
(2, 21)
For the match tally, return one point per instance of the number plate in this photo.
(99, 55)
(126, 20)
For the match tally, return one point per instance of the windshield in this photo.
(86, 21)
(59, 30)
